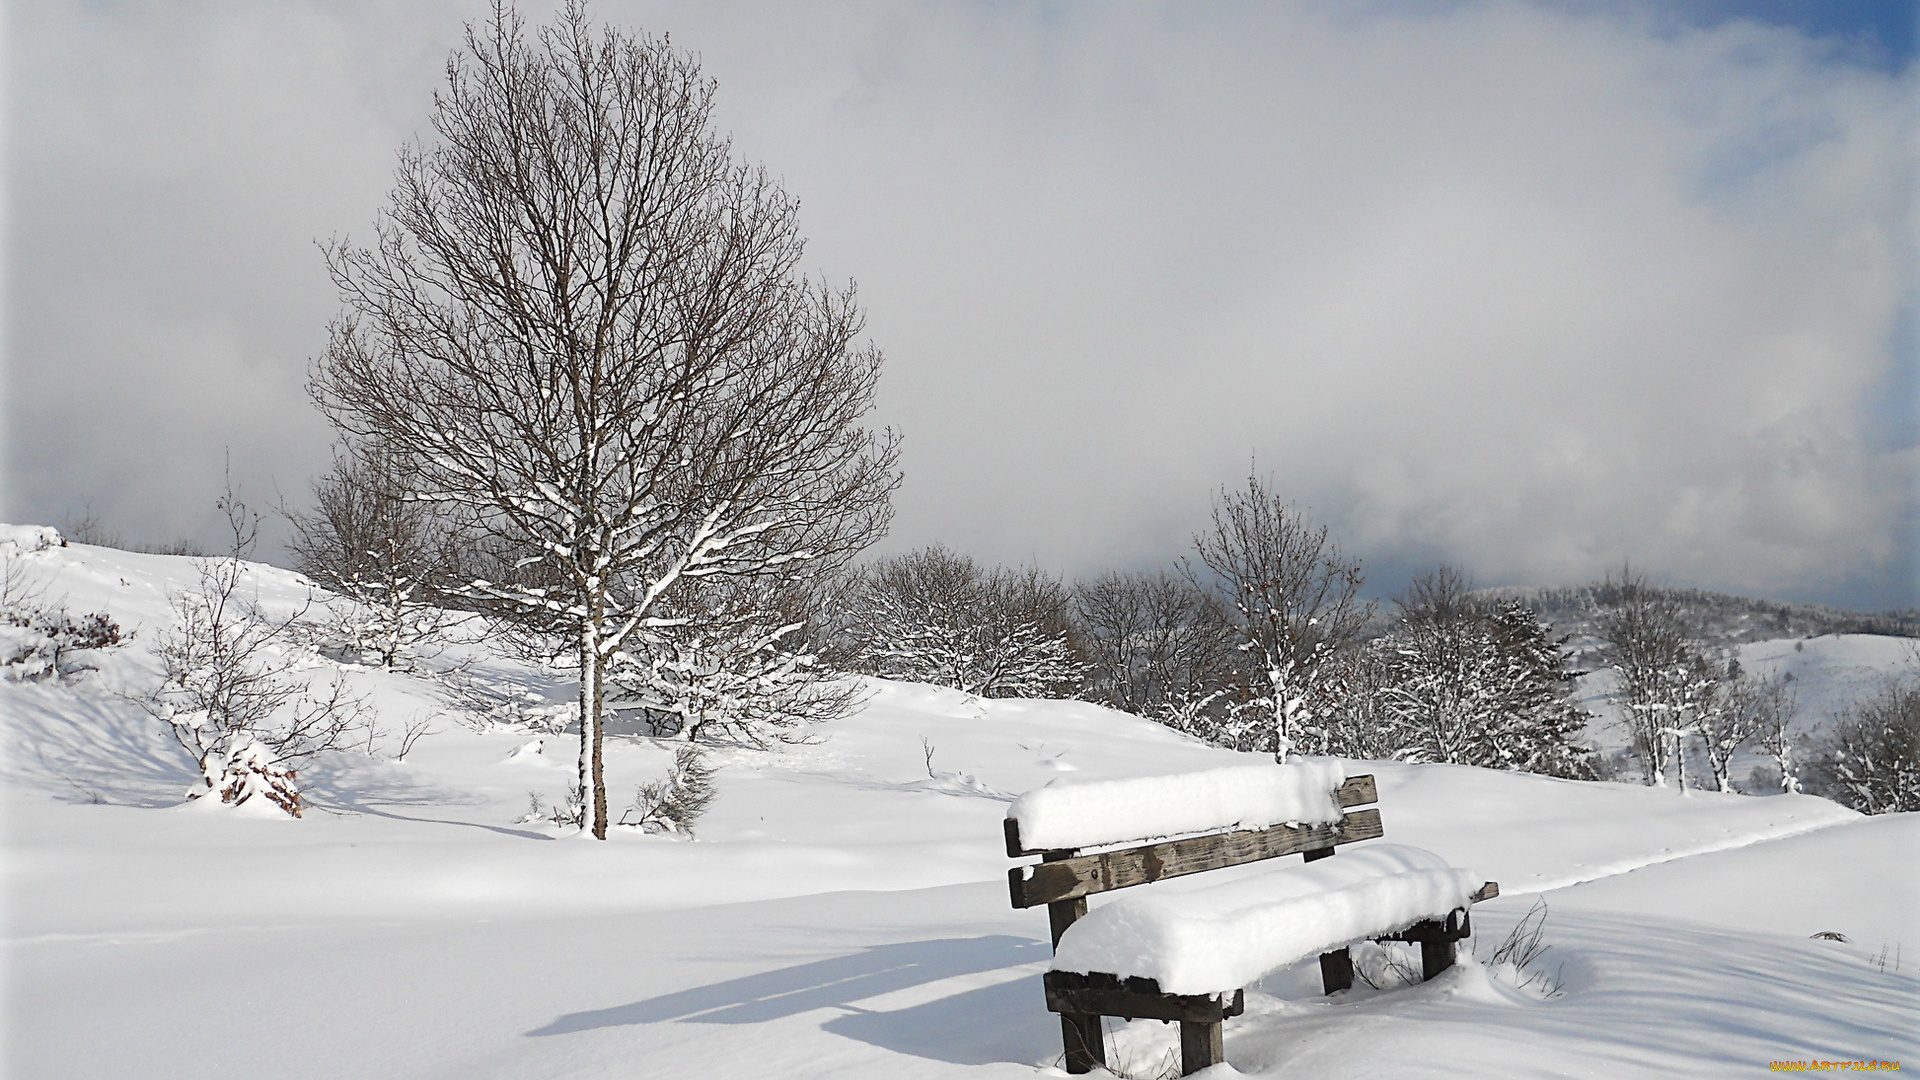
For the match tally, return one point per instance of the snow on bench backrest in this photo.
(1066, 814)
(1203, 941)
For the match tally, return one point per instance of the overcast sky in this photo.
(1533, 288)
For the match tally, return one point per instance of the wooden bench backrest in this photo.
(1068, 875)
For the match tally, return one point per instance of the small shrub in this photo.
(674, 802)
(1385, 965)
(249, 771)
(1523, 952)
(34, 643)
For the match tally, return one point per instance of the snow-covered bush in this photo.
(36, 641)
(247, 771)
(938, 617)
(674, 802)
(731, 664)
(38, 644)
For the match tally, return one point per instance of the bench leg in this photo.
(1201, 1045)
(1336, 970)
(1436, 956)
(1086, 1043)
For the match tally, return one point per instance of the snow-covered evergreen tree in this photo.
(1483, 686)
(1461, 678)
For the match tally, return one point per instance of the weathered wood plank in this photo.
(1085, 1042)
(1201, 1045)
(1084, 875)
(1457, 925)
(1098, 994)
(1358, 791)
(1487, 892)
(1063, 913)
(1355, 791)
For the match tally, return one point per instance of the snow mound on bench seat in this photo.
(1066, 814)
(1216, 939)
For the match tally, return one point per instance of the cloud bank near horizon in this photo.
(1529, 289)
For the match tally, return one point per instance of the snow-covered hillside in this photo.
(843, 911)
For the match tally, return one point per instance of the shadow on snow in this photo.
(1001, 1021)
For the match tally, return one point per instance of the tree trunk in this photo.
(593, 788)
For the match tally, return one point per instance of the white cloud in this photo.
(1531, 291)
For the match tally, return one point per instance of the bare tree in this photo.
(1741, 708)
(1665, 685)
(1870, 759)
(1294, 606)
(1772, 706)
(226, 692)
(583, 319)
(939, 617)
(389, 555)
(1156, 647)
(1441, 596)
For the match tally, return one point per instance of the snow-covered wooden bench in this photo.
(1187, 957)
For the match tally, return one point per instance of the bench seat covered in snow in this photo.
(1187, 957)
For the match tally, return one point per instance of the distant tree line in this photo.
(1258, 641)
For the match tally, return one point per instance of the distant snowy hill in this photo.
(843, 911)
(1721, 618)
(1825, 674)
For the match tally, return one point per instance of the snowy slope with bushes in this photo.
(842, 909)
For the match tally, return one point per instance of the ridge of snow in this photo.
(1090, 813)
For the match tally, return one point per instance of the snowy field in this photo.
(844, 909)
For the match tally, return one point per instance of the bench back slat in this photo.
(1084, 875)
(1355, 791)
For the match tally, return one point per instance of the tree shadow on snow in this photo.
(1002, 1021)
(354, 782)
(90, 745)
